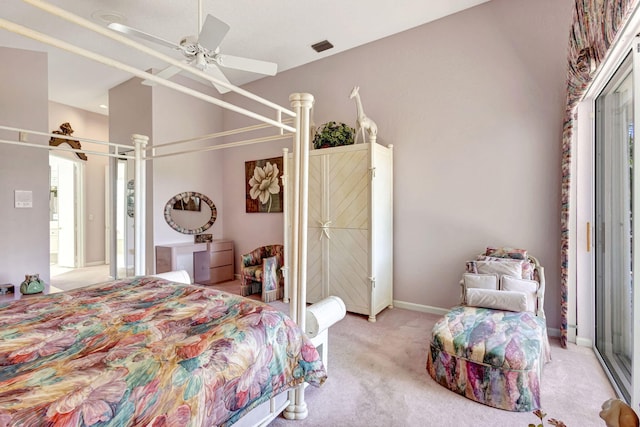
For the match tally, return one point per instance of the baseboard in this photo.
(584, 342)
(552, 332)
(94, 263)
(419, 307)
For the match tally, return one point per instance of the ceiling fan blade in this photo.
(212, 32)
(166, 73)
(141, 34)
(247, 64)
(218, 74)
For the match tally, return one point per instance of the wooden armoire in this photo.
(350, 226)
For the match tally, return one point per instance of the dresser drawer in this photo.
(221, 274)
(224, 245)
(164, 261)
(218, 259)
(201, 267)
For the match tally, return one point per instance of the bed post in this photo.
(301, 103)
(140, 143)
(287, 221)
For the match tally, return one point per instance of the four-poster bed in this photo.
(12, 352)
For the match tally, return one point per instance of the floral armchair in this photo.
(261, 272)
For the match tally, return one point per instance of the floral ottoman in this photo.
(491, 356)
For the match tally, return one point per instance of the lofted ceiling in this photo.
(280, 31)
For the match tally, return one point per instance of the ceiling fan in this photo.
(203, 51)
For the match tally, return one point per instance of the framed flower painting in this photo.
(263, 185)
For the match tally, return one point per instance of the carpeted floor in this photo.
(377, 376)
(72, 278)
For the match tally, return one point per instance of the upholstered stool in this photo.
(491, 356)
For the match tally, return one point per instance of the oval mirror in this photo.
(190, 212)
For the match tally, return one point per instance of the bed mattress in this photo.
(491, 356)
(146, 351)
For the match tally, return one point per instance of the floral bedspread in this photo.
(146, 351)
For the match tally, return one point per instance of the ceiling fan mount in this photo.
(198, 55)
(203, 51)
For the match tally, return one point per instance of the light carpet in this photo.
(72, 278)
(377, 377)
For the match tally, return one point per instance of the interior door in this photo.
(66, 210)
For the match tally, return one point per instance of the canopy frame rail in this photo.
(64, 14)
(116, 146)
(35, 35)
(302, 104)
(230, 132)
(220, 146)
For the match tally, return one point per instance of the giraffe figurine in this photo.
(363, 123)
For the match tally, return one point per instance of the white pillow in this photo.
(482, 281)
(506, 267)
(528, 287)
(498, 300)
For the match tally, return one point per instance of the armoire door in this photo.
(348, 269)
(347, 197)
(316, 255)
(347, 204)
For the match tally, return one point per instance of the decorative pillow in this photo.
(482, 281)
(506, 253)
(527, 270)
(527, 266)
(508, 267)
(498, 300)
(528, 287)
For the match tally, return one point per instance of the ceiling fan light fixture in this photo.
(322, 46)
(201, 61)
(108, 17)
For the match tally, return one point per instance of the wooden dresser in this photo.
(214, 265)
(213, 262)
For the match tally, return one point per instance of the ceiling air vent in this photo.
(322, 46)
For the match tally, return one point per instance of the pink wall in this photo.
(473, 104)
(24, 232)
(91, 126)
(165, 116)
(176, 117)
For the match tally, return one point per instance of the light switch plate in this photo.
(23, 199)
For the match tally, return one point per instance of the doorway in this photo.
(65, 206)
(124, 203)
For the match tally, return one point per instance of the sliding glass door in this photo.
(614, 225)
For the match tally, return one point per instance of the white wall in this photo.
(24, 232)
(473, 104)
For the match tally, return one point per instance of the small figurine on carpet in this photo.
(616, 413)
